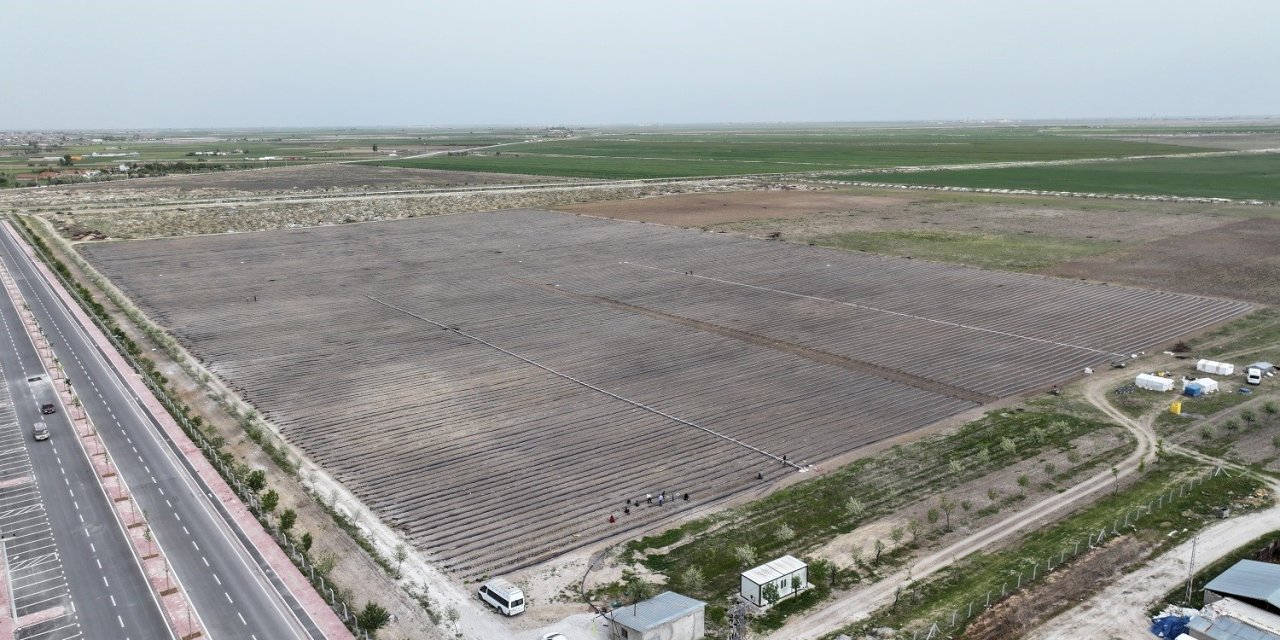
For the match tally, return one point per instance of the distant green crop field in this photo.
(1241, 177)
(676, 155)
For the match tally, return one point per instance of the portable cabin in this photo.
(788, 574)
(667, 616)
(1216, 368)
(1153, 383)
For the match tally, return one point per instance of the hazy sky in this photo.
(225, 63)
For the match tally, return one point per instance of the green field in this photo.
(1254, 176)
(669, 155)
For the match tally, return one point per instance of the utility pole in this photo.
(1191, 570)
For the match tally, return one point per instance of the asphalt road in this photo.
(234, 592)
(107, 595)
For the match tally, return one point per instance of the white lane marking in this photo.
(242, 619)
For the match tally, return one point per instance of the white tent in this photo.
(1153, 383)
(1217, 368)
(1208, 384)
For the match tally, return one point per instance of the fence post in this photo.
(970, 614)
(988, 599)
(1033, 571)
(1077, 551)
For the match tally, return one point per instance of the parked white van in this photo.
(503, 596)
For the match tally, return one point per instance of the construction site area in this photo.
(499, 387)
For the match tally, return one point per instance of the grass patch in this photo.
(816, 511)
(969, 580)
(1255, 176)
(1007, 251)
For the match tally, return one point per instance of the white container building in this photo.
(1153, 383)
(788, 574)
(1216, 368)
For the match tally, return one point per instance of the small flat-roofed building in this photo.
(666, 616)
(781, 573)
(1249, 581)
(1230, 619)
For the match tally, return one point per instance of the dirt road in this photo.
(859, 604)
(1119, 611)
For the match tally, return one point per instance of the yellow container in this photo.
(1176, 408)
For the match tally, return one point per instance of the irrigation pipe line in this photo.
(864, 307)
(592, 387)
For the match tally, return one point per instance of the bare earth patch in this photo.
(698, 210)
(1237, 260)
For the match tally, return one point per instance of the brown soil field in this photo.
(496, 385)
(1237, 260)
(800, 215)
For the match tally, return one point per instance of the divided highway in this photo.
(234, 591)
(70, 564)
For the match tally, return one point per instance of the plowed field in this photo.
(496, 385)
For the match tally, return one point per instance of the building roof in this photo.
(1249, 579)
(656, 611)
(769, 571)
(1230, 619)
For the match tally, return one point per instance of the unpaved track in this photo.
(1119, 611)
(858, 605)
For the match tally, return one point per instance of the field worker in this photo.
(661, 498)
(612, 519)
(686, 496)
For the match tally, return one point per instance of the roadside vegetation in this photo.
(704, 557)
(250, 484)
(933, 600)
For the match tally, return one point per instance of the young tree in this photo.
(947, 507)
(691, 579)
(795, 583)
(914, 527)
(1023, 483)
(306, 542)
(1010, 447)
(955, 466)
(1115, 473)
(785, 532)
(769, 593)
(1270, 408)
(855, 507)
(932, 516)
(287, 519)
(454, 616)
(269, 501)
(896, 536)
(879, 549)
(257, 480)
(375, 148)
(373, 617)
(746, 553)
(855, 554)
(993, 493)
(402, 554)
